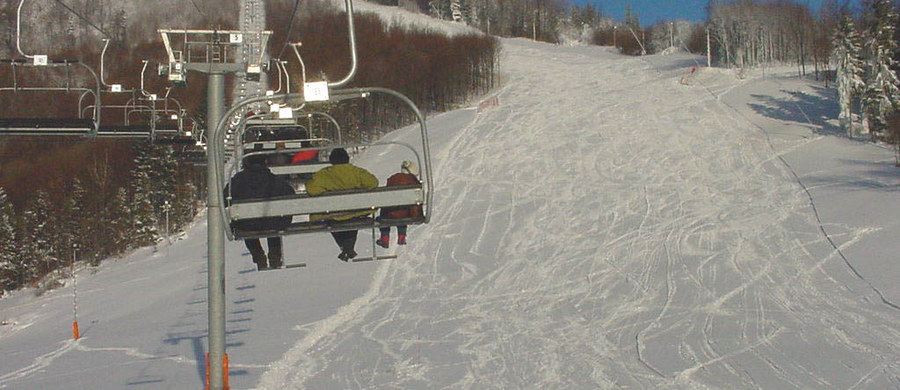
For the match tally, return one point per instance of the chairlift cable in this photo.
(86, 20)
(198, 8)
(287, 39)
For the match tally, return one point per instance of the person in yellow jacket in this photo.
(341, 175)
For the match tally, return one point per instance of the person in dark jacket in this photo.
(256, 181)
(341, 175)
(406, 176)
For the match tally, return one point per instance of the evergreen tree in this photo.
(144, 221)
(849, 69)
(120, 225)
(38, 247)
(163, 179)
(185, 206)
(882, 91)
(583, 16)
(11, 269)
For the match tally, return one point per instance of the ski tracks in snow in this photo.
(588, 239)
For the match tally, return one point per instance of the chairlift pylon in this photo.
(219, 214)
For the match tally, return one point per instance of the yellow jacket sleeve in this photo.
(367, 179)
(341, 177)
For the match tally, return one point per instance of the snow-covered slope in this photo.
(597, 225)
(397, 16)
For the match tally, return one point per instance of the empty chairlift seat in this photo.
(142, 130)
(43, 126)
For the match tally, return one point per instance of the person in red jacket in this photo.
(305, 156)
(407, 176)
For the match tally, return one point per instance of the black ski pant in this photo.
(345, 240)
(256, 250)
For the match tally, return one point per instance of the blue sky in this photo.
(651, 11)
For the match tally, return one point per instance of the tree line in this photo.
(89, 214)
(437, 72)
(856, 48)
(554, 21)
(866, 69)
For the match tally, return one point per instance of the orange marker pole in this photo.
(206, 381)
(225, 370)
(75, 333)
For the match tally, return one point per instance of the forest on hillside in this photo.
(105, 197)
(437, 72)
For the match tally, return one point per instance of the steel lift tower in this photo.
(215, 53)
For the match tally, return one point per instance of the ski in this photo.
(285, 266)
(373, 258)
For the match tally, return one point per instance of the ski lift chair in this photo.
(281, 140)
(72, 126)
(302, 205)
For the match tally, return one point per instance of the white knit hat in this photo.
(409, 167)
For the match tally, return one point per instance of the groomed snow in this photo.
(602, 226)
